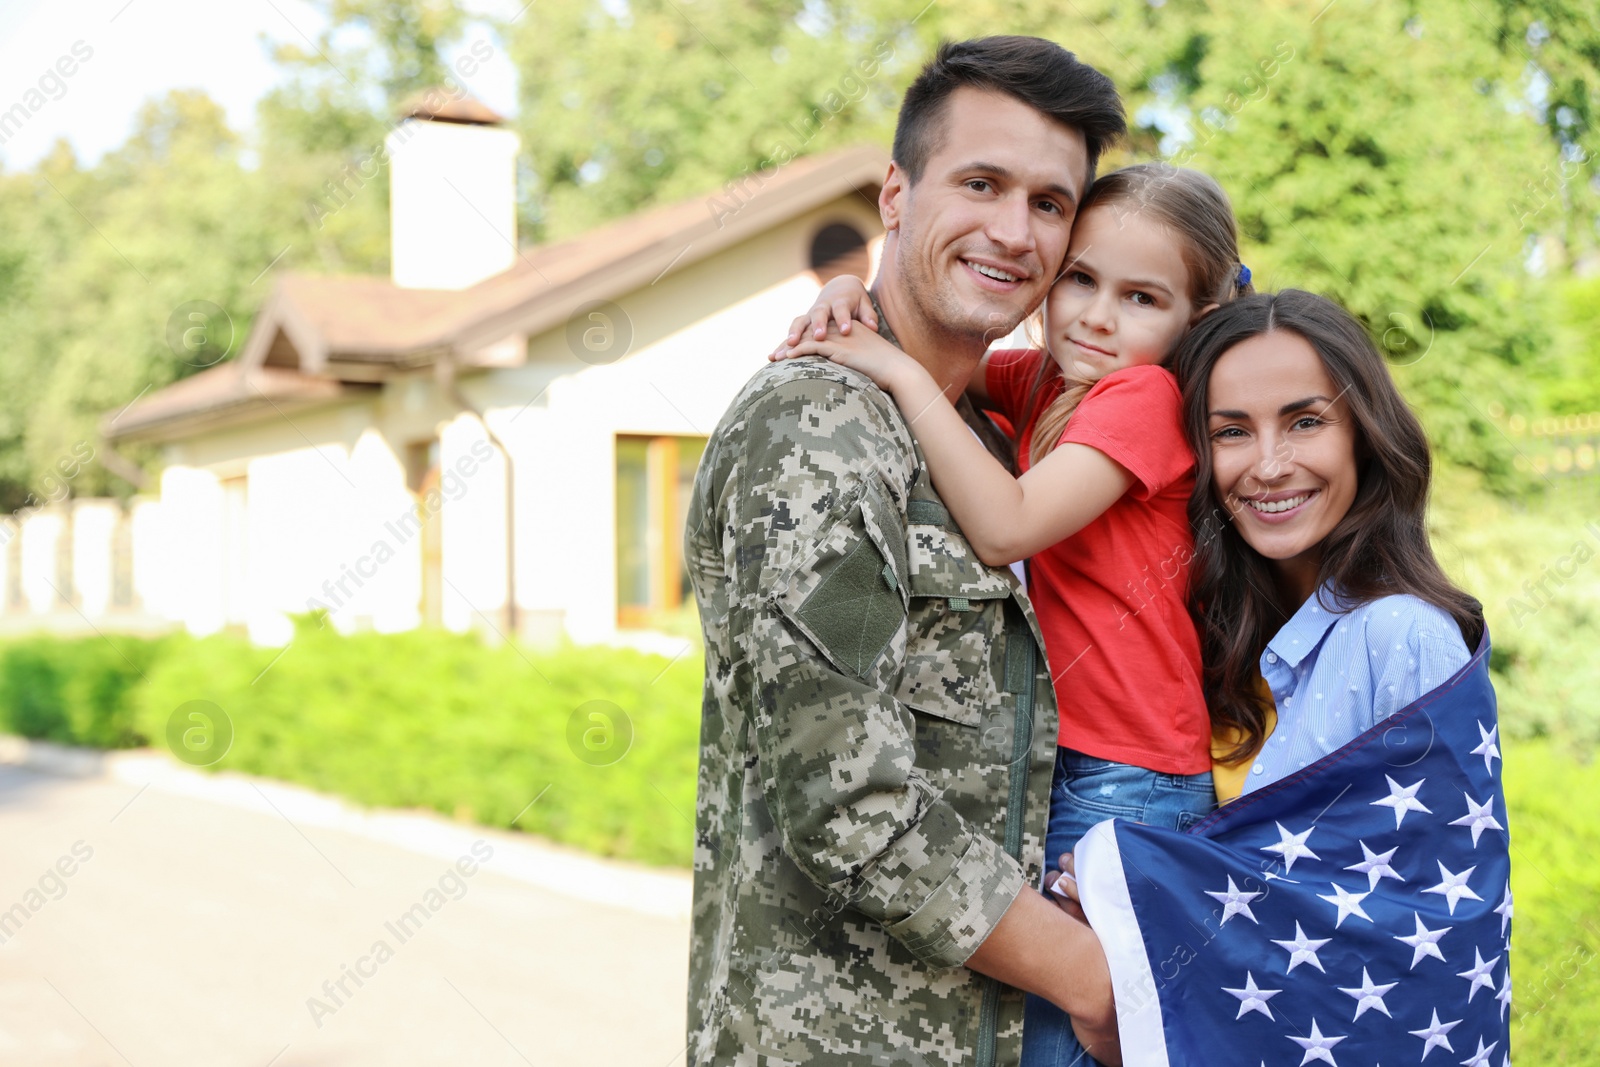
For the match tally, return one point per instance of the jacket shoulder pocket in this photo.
(848, 595)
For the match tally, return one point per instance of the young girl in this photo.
(1099, 510)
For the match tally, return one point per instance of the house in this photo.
(494, 437)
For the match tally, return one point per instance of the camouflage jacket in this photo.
(876, 741)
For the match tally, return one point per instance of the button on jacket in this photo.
(876, 741)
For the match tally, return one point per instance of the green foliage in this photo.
(1350, 181)
(733, 87)
(437, 720)
(1559, 40)
(1574, 389)
(1537, 572)
(75, 692)
(1554, 840)
(397, 51)
(103, 257)
(425, 719)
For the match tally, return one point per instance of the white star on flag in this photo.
(1454, 886)
(1480, 1057)
(1504, 996)
(1303, 949)
(1375, 866)
(1252, 998)
(1347, 902)
(1234, 902)
(1424, 942)
(1434, 1034)
(1487, 747)
(1479, 816)
(1368, 995)
(1292, 847)
(1317, 1046)
(1402, 799)
(1504, 910)
(1478, 974)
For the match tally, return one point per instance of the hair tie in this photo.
(1244, 276)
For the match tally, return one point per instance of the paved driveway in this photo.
(160, 926)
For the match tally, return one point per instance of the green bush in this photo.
(438, 720)
(75, 691)
(425, 719)
(1555, 881)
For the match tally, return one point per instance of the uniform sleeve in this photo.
(1135, 417)
(821, 600)
(1009, 375)
(1415, 648)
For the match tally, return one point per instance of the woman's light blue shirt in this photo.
(1337, 668)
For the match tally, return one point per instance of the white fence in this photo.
(75, 567)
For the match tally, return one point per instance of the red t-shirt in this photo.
(1123, 651)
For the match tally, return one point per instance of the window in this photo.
(839, 248)
(655, 476)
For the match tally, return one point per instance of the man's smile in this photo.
(993, 276)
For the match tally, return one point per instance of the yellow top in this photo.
(1229, 777)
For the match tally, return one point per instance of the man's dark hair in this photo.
(1037, 72)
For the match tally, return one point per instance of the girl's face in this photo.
(1124, 298)
(1283, 452)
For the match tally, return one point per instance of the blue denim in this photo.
(1087, 791)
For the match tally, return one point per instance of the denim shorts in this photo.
(1086, 791)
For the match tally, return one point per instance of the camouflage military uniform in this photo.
(876, 743)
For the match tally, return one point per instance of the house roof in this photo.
(441, 105)
(314, 333)
(219, 394)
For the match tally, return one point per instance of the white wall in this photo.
(189, 548)
(41, 544)
(150, 581)
(94, 525)
(474, 528)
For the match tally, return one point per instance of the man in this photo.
(878, 726)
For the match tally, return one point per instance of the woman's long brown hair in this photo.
(1379, 548)
(1195, 209)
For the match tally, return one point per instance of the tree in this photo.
(1351, 178)
(624, 106)
(1372, 153)
(377, 52)
(1559, 42)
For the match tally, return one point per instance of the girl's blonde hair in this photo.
(1194, 207)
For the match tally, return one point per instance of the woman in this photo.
(1355, 677)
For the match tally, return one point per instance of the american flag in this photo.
(1357, 913)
